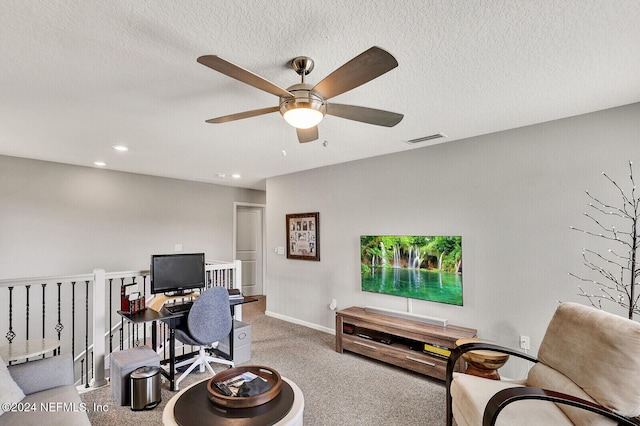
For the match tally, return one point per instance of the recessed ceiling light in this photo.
(235, 176)
(121, 148)
(100, 163)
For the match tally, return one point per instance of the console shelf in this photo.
(403, 340)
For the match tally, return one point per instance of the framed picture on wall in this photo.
(303, 236)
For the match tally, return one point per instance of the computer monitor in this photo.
(177, 273)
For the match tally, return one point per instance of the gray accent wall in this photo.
(58, 219)
(512, 196)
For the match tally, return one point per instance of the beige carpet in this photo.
(339, 389)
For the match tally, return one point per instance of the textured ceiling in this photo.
(77, 77)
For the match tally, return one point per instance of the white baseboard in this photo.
(300, 322)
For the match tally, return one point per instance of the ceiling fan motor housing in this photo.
(303, 98)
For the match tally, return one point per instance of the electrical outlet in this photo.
(525, 343)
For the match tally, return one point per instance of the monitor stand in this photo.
(160, 299)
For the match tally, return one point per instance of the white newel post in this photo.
(237, 283)
(99, 327)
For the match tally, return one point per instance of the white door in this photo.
(249, 248)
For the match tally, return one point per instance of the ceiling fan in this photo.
(303, 105)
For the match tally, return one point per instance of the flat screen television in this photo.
(417, 267)
(177, 273)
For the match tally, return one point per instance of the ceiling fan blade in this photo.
(365, 115)
(361, 69)
(234, 71)
(307, 135)
(241, 115)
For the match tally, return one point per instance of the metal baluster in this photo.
(136, 330)
(110, 316)
(10, 334)
(44, 310)
(59, 326)
(121, 320)
(81, 370)
(86, 328)
(73, 320)
(93, 374)
(27, 287)
(164, 340)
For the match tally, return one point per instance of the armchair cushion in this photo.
(44, 374)
(544, 377)
(471, 395)
(599, 352)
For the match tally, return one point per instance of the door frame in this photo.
(262, 207)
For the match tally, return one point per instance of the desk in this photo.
(203, 409)
(25, 349)
(149, 315)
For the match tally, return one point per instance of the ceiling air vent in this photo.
(426, 138)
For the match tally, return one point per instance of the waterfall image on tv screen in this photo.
(418, 267)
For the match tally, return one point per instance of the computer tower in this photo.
(241, 342)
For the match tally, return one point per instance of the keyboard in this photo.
(180, 307)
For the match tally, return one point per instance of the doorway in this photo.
(249, 246)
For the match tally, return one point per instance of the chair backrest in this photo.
(598, 351)
(210, 319)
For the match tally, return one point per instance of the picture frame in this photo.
(303, 236)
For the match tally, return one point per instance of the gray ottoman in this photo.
(122, 364)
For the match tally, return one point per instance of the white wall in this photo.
(511, 196)
(58, 219)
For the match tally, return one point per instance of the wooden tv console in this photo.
(407, 338)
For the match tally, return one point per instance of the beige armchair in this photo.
(587, 373)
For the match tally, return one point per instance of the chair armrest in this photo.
(506, 396)
(42, 374)
(457, 352)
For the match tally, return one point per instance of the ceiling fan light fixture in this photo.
(303, 112)
(303, 118)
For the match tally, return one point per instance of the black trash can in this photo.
(145, 388)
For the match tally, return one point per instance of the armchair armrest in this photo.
(506, 396)
(457, 352)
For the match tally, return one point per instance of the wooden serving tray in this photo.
(270, 375)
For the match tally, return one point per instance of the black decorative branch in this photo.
(618, 273)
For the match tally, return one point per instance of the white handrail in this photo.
(13, 282)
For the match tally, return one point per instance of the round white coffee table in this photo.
(293, 418)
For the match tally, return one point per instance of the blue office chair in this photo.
(208, 322)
